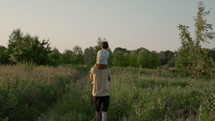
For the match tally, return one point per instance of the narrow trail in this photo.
(75, 103)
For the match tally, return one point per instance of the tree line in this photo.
(24, 48)
(29, 49)
(190, 59)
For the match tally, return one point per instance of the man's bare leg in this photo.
(104, 116)
(98, 116)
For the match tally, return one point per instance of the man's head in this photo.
(104, 45)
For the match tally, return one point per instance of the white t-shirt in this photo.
(101, 85)
(102, 56)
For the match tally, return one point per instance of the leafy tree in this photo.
(139, 49)
(68, 57)
(15, 37)
(212, 53)
(148, 59)
(77, 50)
(143, 58)
(122, 50)
(172, 61)
(140, 57)
(90, 55)
(166, 57)
(126, 60)
(154, 60)
(133, 59)
(192, 58)
(25, 48)
(78, 55)
(118, 59)
(56, 58)
(4, 55)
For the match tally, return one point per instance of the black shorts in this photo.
(101, 103)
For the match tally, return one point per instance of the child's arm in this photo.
(91, 76)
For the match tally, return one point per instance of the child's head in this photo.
(104, 45)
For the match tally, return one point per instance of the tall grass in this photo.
(28, 91)
(142, 95)
(64, 94)
(147, 95)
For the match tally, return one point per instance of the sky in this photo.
(129, 24)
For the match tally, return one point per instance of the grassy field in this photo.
(39, 93)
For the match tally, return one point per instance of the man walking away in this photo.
(100, 80)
